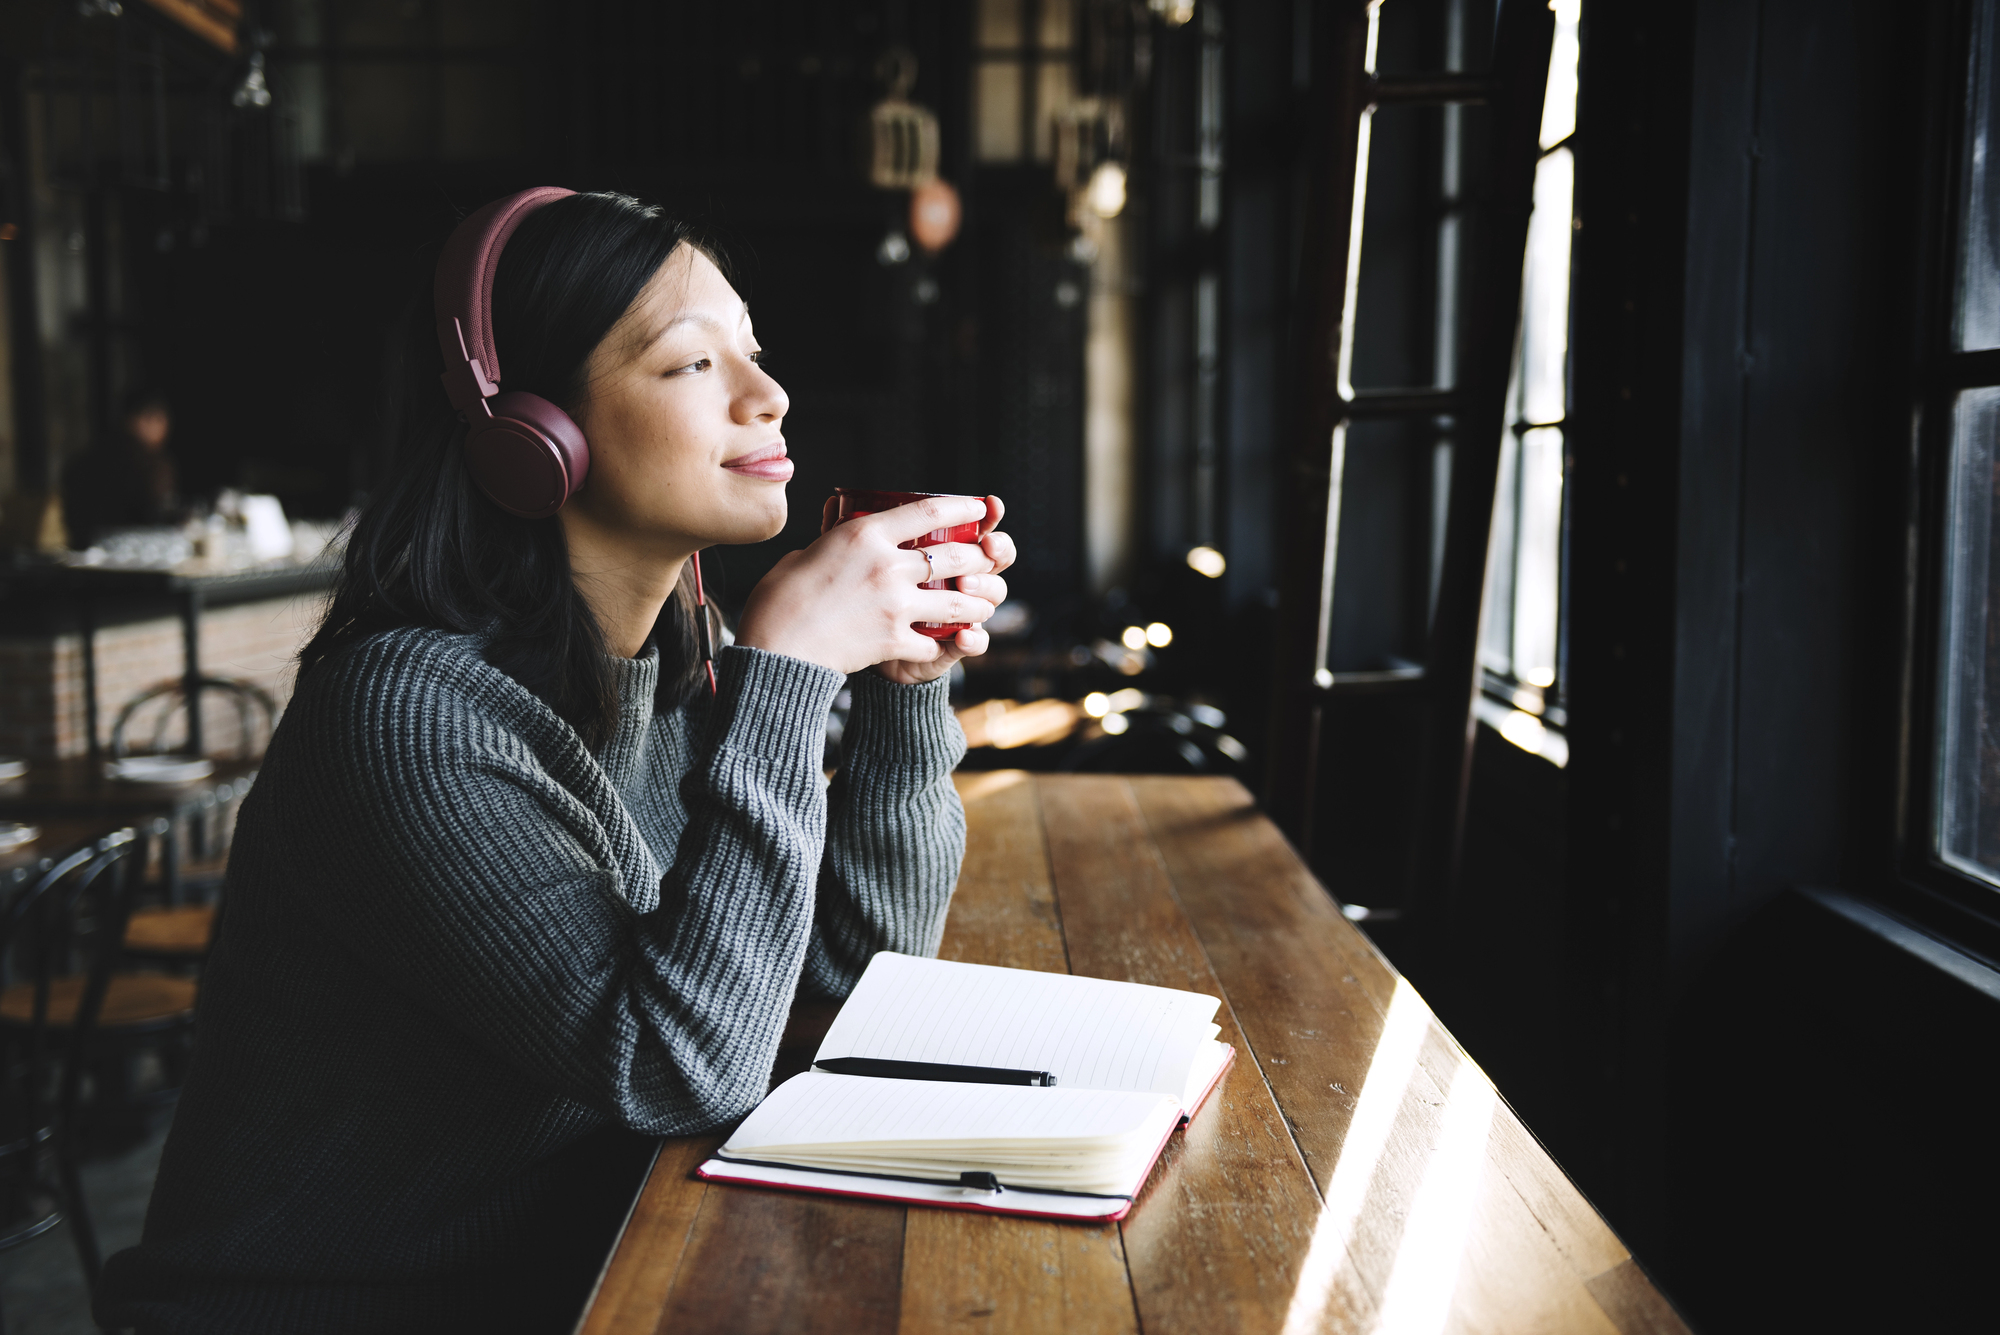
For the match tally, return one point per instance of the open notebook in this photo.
(1132, 1063)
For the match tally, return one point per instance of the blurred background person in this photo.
(128, 481)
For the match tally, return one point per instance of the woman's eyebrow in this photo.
(699, 317)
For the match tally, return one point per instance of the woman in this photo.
(514, 892)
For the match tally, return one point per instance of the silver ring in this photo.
(930, 566)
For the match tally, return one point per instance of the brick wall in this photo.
(41, 677)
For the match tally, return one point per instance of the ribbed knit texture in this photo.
(468, 969)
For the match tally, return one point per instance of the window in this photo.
(1521, 645)
(1964, 398)
(1022, 78)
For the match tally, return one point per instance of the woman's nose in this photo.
(762, 397)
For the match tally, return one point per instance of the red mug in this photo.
(854, 502)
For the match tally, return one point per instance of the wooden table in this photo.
(77, 790)
(1356, 1171)
(190, 587)
(79, 787)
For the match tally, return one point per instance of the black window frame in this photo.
(1961, 906)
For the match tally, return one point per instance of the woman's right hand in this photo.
(847, 601)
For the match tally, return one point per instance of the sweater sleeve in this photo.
(475, 881)
(895, 835)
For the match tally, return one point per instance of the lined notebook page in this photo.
(1091, 1032)
(821, 1109)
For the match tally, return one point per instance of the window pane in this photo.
(1968, 778)
(1545, 291)
(1979, 208)
(999, 110)
(999, 23)
(1559, 104)
(1538, 564)
(1054, 91)
(1057, 25)
(1496, 629)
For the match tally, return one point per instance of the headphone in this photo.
(523, 451)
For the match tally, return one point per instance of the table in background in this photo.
(188, 588)
(1355, 1171)
(78, 789)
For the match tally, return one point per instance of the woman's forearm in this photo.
(895, 833)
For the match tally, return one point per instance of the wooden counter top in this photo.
(1356, 1171)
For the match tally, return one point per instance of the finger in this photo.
(829, 513)
(995, 511)
(971, 642)
(907, 522)
(999, 548)
(990, 587)
(948, 607)
(952, 559)
(914, 648)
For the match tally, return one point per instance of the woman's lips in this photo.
(768, 463)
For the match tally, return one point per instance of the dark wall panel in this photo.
(1797, 272)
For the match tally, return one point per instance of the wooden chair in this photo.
(60, 948)
(174, 922)
(178, 932)
(249, 700)
(172, 933)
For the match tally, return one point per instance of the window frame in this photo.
(1963, 906)
(1549, 704)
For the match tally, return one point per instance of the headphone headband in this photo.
(463, 296)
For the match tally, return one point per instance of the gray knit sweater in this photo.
(470, 968)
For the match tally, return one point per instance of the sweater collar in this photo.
(636, 680)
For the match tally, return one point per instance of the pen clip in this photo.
(985, 1183)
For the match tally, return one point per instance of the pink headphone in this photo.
(523, 451)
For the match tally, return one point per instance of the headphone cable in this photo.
(702, 632)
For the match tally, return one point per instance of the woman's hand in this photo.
(999, 549)
(847, 601)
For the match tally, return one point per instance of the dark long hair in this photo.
(431, 550)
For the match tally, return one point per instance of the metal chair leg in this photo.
(82, 1231)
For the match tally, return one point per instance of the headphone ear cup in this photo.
(529, 457)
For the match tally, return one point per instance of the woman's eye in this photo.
(699, 364)
(759, 356)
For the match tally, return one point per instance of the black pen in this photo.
(965, 1075)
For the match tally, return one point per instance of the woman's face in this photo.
(683, 424)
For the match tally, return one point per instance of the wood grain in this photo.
(1217, 1238)
(991, 1273)
(1631, 1301)
(132, 999)
(1585, 1240)
(1018, 1276)
(1310, 991)
(171, 931)
(1313, 998)
(782, 1261)
(1004, 909)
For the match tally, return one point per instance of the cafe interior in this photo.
(1505, 495)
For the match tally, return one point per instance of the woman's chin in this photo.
(742, 528)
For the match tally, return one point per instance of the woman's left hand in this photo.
(999, 549)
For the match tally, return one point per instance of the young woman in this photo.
(515, 892)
